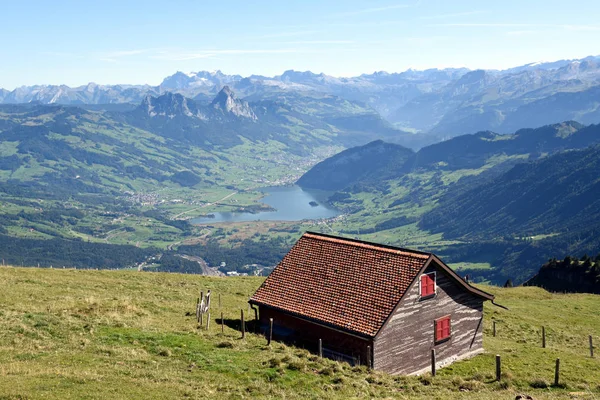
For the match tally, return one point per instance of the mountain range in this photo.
(437, 103)
(509, 201)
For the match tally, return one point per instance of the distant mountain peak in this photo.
(226, 91)
(229, 104)
(170, 105)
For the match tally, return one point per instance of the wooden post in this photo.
(498, 367)
(222, 323)
(543, 337)
(369, 357)
(591, 347)
(243, 325)
(557, 372)
(433, 362)
(201, 302)
(270, 332)
(494, 328)
(198, 310)
(207, 320)
(320, 348)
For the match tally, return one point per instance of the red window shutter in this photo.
(427, 285)
(442, 328)
(439, 333)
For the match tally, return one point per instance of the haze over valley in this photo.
(119, 167)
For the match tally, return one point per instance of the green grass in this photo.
(72, 334)
(470, 265)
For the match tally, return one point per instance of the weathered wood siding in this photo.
(307, 334)
(403, 346)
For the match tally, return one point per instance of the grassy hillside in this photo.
(503, 200)
(72, 334)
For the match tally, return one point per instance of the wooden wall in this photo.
(307, 334)
(403, 346)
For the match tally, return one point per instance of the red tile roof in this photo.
(344, 283)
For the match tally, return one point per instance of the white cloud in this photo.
(320, 42)
(286, 34)
(522, 32)
(515, 25)
(199, 54)
(114, 56)
(454, 15)
(373, 10)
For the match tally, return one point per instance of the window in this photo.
(428, 285)
(442, 328)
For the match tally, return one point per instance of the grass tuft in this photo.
(539, 383)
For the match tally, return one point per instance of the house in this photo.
(372, 304)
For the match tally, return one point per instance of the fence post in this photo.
(498, 367)
(270, 332)
(243, 325)
(222, 323)
(433, 362)
(557, 372)
(494, 328)
(198, 310)
(591, 347)
(320, 348)
(543, 337)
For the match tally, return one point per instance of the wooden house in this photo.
(372, 304)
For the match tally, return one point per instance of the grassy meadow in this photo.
(74, 334)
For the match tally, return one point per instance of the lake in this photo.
(291, 203)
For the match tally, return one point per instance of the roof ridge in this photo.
(367, 245)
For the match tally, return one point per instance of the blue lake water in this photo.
(291, 204)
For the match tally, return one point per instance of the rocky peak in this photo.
(169, 104)
(226, 102)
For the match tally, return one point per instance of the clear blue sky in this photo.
(130, 41)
